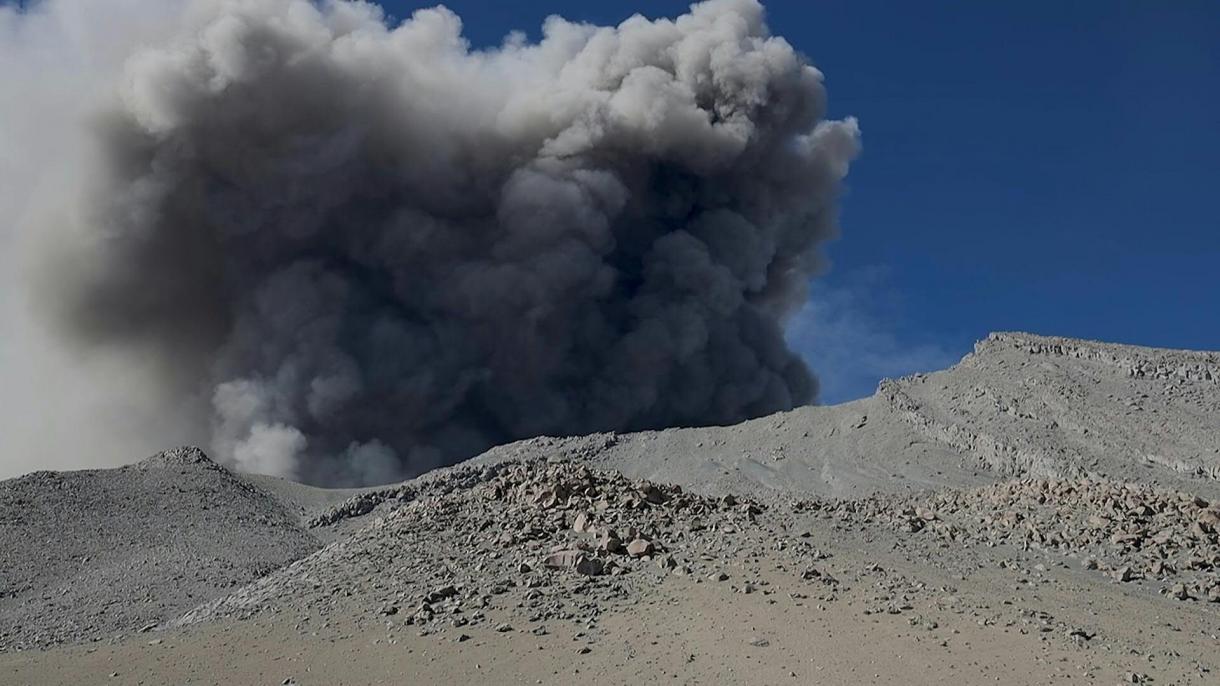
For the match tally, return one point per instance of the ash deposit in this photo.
(1005, 520)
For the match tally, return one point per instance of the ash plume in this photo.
(347, 250)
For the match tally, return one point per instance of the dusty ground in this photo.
(1045, 512)
(693, 631)
(689, 635)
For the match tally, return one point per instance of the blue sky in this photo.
(1041, 166)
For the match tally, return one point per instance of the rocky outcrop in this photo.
(1135, 361)
(986, 450)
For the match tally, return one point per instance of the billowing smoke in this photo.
(348, 251)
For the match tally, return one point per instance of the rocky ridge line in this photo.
(1136, 361)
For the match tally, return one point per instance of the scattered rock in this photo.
(640, 548)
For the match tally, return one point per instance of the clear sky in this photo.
(1036, 165)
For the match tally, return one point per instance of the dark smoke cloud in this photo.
(363, 250)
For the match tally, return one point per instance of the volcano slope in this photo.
(1046, 511)
(1020, 405)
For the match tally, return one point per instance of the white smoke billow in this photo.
(348, 251)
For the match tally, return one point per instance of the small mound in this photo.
(88, 555)
(185, 456)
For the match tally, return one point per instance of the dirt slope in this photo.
(91, 554)
(1019, 405)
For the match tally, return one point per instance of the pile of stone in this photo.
(614, 520)
(550, 540)
(392, 497)
(360, 505)
(1130, 531)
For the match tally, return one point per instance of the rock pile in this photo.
(555, 540)
(1130, 531)
(361, 504)
(525, 542)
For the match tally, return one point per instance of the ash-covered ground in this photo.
(1046, 511)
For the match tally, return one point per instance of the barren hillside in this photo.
(1004, 520)
(1020, 405)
